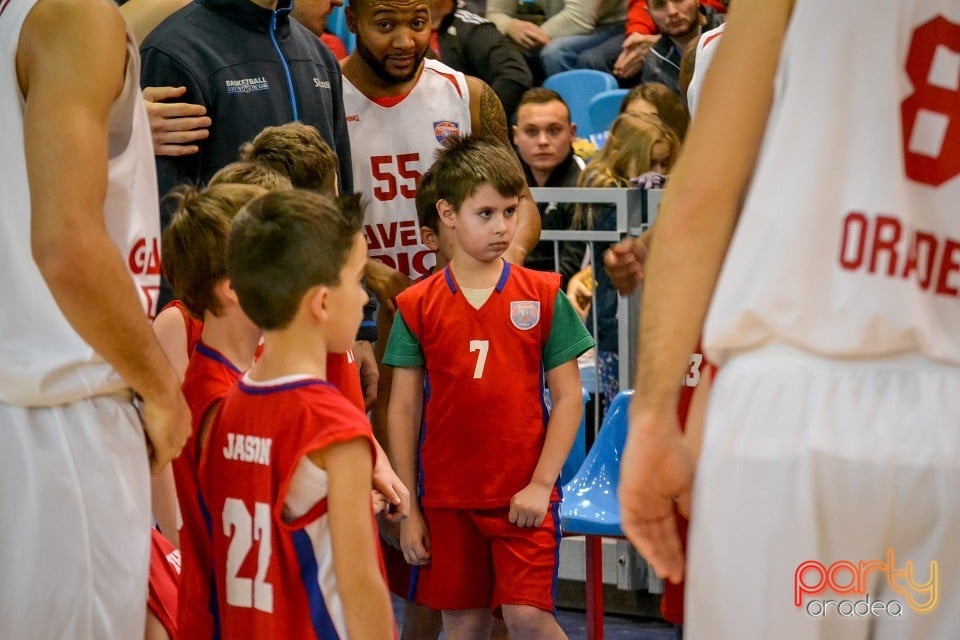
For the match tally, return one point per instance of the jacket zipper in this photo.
(283, 64)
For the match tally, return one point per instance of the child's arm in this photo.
(172, 335)
(406, 405)
(366, 602)
(529, 506)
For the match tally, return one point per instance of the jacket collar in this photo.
(253, 16)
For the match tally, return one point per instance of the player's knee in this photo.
(526, 622)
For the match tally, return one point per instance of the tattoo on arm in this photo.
(493, 119)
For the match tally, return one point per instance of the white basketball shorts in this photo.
(827, 501)
(75, 530)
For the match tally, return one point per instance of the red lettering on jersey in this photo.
(410, 264)
(144, 260)
(886, 236)
(949, 264)
(385, 236)
(926, 256)
(150, 295)
(853, 237)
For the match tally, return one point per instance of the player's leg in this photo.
(526, 562)
(74, 549)
(926, 512)
(459, 577)
(781, 482)
(466, 624)
(420, 622)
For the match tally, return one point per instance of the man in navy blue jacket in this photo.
(250, 66)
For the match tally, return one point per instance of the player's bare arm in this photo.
(487, 118)
(385, 282)
(78, 49)
(387, 482)
(529, 506)
(366, 602)
(697, 218)
(406, 406)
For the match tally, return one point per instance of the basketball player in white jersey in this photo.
(78, 278)
(825, 497)
(399, 108)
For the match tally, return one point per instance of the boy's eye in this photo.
(419, 23)
(509, 212)
(383, 25)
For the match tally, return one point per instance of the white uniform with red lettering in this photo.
(706, 49)
(833, 432)
(392, 146)
(74, 479)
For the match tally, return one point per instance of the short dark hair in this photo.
(252, 173)
(427, 214)
(299, 152)
(464, 163)
(284, 243)
(542, 95)
(194, 243)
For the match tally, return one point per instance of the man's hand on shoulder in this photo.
(175, 126)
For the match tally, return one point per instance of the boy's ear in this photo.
(429, 238)
(318, 301)
(447, 213)
(226, 292)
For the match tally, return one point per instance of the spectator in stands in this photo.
(572, 26)
(472, 44)
(656, 99)
(641, 34)
(680, 22)
(544, 138)
(636, 146)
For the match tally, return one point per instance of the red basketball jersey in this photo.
(342, 373)
(272, 556)
(209, 376)
(193, 326)
(485, 414)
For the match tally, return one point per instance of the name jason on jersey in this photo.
(244, 448)
(884, 245)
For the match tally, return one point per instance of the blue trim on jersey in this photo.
(309, 573)
(214, 605)
(262, 391)
(557, 534)
(423, 433)
(368, 323)
(448, 276)
(414, 582)
(504, 275)
(213, 354)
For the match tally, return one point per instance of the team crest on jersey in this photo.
(444, 129)
(525, 314)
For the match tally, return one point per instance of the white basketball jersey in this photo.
(43, 361)
(849, 240)
(391, 148)
(706, 48)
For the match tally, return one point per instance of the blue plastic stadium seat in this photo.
(578, 452)
(337, 25)
(577, 87)
(590, 499)
(604, 108)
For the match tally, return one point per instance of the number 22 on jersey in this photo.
(243, 529)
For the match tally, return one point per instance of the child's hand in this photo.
(415, 539)
(386, 481)
(380, 503)
(528, 507)
(389, 532)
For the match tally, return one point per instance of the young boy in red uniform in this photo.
(287, 470)
(485, 335)
(194, 247)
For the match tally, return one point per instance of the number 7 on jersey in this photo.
(483, 346)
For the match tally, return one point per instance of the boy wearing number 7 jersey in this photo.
(485, 335)
(287, 468)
